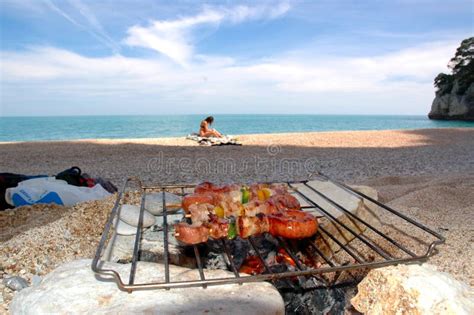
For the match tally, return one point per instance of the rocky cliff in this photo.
(452, 106)
(455, 91)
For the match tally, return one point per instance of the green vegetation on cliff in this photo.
(462, 67)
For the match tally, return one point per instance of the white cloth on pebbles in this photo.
(73, 288)
(130, 214)
(154, 202)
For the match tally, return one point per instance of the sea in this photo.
(157, 126)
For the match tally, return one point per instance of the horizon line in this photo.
(204, 114)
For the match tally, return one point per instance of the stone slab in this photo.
(74, 289)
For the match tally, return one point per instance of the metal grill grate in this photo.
(382, 249)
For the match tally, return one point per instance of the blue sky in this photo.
(78, 57)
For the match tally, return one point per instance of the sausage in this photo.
(285, 201)
(294, 224)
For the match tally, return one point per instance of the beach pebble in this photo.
(154, 202)
(130, 214)
(123, 228)
(36, 280)
(15, 283)
(73, 288)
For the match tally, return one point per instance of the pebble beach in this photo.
(427, 174)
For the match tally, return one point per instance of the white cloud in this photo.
(412, 66)
(174, 38)
(222, 84)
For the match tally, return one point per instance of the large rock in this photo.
(413, 289)
(347, 200)
(130, 214)
(74, 289)
(453, 106)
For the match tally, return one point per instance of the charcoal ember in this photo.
(329, 300)
(239, 250)
(278, 268)
(265, 244)
(214, 245)
(283, 284)
(215, 260)
(312, 282)
(214, 253)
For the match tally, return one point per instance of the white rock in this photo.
(154, 202)
(35, 280)
(351, 202)
(74, 289)
(123, 228)
(130, 215)
(413, 289)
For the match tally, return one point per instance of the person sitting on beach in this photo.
(205, 131)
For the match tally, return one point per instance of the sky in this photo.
(120, 57)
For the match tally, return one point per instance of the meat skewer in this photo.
(234, 210)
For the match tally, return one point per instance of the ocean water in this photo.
(89, 127)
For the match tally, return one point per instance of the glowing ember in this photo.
(252, 265)
(284, 258)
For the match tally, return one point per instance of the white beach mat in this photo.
(212, 141)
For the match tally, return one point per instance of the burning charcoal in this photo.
(329, 300)
(252, 265)
(271, 259)
(278, 268)
(215, 260)
(239, 250)
(312, 282)
(215, 257)
(284, 284)
(265, 244)
(214, 245)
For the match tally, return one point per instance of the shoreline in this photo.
(166, 139)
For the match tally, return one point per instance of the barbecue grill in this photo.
(382, 248)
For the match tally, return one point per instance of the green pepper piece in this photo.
(245, 195)
(232, 231)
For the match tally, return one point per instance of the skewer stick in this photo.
(176, 234)
(187, 215)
